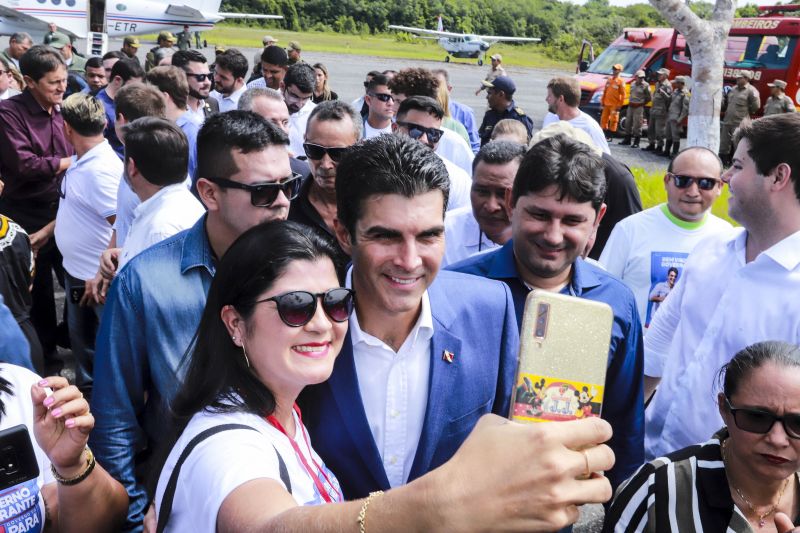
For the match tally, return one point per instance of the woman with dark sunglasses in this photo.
(274, 322)
(745, 479)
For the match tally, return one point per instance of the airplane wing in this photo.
(423, 31)
(12, 16)
(247, 16)
(491, 39)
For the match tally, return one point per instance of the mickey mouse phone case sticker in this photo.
(563, 357)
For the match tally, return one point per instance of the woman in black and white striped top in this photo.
(745, 475)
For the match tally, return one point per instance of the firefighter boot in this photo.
(626, 141)
(667, 149)
(636, 142)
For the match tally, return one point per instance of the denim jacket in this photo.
(152, 311)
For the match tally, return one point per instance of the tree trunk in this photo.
(706, 40)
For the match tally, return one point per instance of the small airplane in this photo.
(464, 45)
(79, 18)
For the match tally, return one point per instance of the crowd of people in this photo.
(277, 300)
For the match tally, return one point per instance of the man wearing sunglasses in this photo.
(298, 88)
(155, 303)
(332, 127)
(737, 288)
(195, 65)
(380, 103)
(427, 352)
(644, 247)
(420, 118)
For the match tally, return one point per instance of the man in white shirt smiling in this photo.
(428, 352)
(230, 70)
(737, 288)
(167, 205)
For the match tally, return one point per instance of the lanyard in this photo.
(320, 487)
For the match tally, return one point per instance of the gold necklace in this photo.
(761, 517)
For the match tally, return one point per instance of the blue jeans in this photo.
(82, 323)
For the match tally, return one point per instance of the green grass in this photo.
(651, 189)
(383, 45)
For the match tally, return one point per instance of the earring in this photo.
(233, 338)
(246, 360)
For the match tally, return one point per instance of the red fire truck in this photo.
(766, 45)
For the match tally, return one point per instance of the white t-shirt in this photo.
(454, 148)
(460, 185)
(89, 191)
(297, 128)
(22, 506)
(370, 132)
(169, 211)
(644, 246)
(586, 123)
(227, 460)
(463, 237)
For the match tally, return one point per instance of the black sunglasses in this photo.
(415, 131)
(383, 97)
(758, 421)
(683, 182)
(201, 77)
(317, 152)
(297, 308)
(264, 194)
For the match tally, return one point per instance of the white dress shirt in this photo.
(394, 390)
(297, 128)
(589, 125)
(454, 148)
(169, 211)
(460, 186)
(230, 102)
(719, 305)
(463, 236)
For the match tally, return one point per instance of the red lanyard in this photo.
(320, 487)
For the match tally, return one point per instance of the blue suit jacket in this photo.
(474, 319)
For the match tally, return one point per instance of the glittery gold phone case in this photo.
(563, 356)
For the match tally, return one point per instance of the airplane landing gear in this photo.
(446, 59)
(480, 62)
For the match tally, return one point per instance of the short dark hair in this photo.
(571, 166)
(499, 153)
(182, 58)
(421, 103)
(336, 110)
(217, 374)
(126, 69)
(137, 100)
(773, 140)
(377, 81)
(234, 130)
(234, 62)
(20, 37)
(302, 76)
(114, 54)
(569, 88)
(39, 60)
(94, 62)
(171, 80)
(275, 55)
(147, 136)
(414, 82)
(755, 356)
(386, 164)
(702, 148)
(85, 114)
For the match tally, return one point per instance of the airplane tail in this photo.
(439, 24)
(206, 6)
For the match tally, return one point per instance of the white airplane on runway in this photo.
(462, 44)
(79, 18)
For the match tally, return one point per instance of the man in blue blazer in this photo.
(427, 353)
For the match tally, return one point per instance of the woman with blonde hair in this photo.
(322, 92)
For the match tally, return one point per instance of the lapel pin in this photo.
(448, 356)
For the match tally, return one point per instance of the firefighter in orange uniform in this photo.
(613, 98)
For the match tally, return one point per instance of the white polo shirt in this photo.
(463, 237)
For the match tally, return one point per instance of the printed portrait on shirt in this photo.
(665, 270)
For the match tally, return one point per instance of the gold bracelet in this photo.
(90, 463)
(362, 515)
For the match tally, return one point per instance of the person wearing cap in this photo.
(495, 71)
(75, 63)
(165, 40)
(499, 95)
(638, 97)
(676, 114)
(184, 38)
(130, 47)
(267, 40)
(612, 100)
(662, 93)
(778, 102)
(739, 103)
(293, 51)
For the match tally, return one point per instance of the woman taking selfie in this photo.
(745, 475)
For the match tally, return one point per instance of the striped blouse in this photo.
(683, 492)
